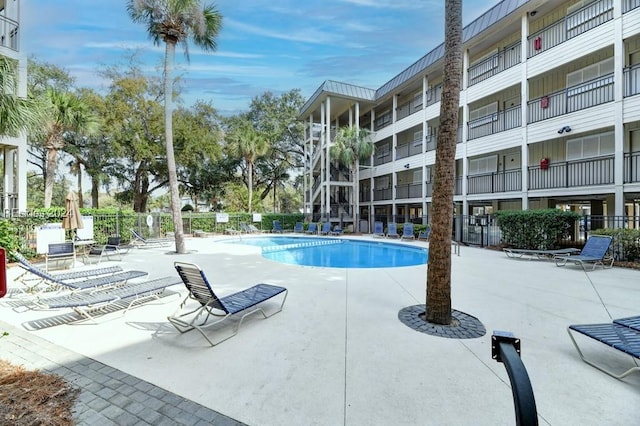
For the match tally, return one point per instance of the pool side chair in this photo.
(139, 241)
(112, 250)
(312, 228)
(298, 228)
(214, 310)
(277, 227)
(244, 229)
(593, 253)
(326, 228)
(87, 303)
(36, 279)
(253, 229)
(621, 334)
(424, 235)
(407, 232)
(337, 230)
(378, 229)
(392, 230)
(516, 253)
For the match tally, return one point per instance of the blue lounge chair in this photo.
(337, 230)
(298, 228)
(594, 252)
(276, 226)
(326, 228)
(392, 230)
(621, 334)
(378, 229)
(407, 232)
(424, 235)
(219, 308)
(312, 229)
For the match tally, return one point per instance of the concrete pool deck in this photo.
(337, 353)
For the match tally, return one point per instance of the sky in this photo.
(264, 46)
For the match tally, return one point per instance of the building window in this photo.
(591, 146)
(482, 165)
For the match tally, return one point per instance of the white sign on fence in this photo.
(257, 217)
(222, 217)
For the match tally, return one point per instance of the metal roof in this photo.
(486, 20)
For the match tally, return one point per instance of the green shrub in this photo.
(626, 242)
(535, 229)
(9, 237)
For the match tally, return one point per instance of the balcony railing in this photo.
(365, 194)
(316, 184)
(571, 99)
(382, 121)
(409, 149)
(629, 5)
(9, 33)
(382, 194)
(510, 180)
(429, 189)
(382, 158)
(631, 167)
(409, 190)
(457, 189)
(434, 94)
(568, 174)
(408, 108)
(572, 25)
(632, 80)
(495, 123)
(494, 64)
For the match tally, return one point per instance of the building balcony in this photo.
(9, 33)
(434, 94)
(495, 123)
(408, 108)
(409, 149)
(575, 98)
(410, 190)
(382, 158)
(489, 183)
(631, 167)
(382, 194)
(494, 64)
(629, 5)
(632, 79)
(572, 25)
(575, 173)
(382, 121)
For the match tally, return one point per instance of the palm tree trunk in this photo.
(52, 159)
(79, 177)
(439, 269)
(171, 161)
(250, 180)
(94, 192)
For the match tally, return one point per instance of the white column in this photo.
(465, 119)
(619, 134)
(524, 97)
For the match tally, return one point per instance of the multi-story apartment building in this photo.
(13, 150)
(549, 117)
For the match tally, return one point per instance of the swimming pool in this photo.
(336, 252)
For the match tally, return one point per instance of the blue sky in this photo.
(274, 46)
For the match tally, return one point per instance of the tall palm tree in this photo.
(439, 271)
(173, 22)
(250, 145)
(64, 112)
(351, 146)
(16, 113)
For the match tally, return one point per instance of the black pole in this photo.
(505, 348)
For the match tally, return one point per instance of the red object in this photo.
(544, 102)
(537, 43)
(3, 272)
(544, 164)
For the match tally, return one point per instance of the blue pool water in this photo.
(336, 252)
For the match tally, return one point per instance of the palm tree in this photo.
(250, 145)
(16, 113)
(173, 22)
(64, 112)
(439, 271)
(351, 146)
